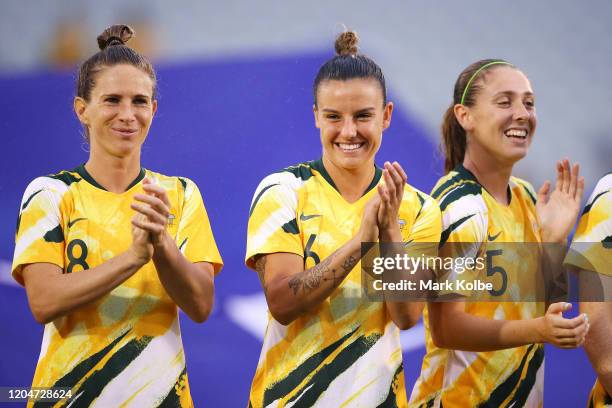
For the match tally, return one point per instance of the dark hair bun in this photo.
(115, 35)
(346, 43)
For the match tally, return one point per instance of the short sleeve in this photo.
(428, 224)
(39, 237)
(424, 235)
(272, 225)
(464, 229)
(194, 237)
(591, 247)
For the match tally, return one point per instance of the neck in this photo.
(491, 174)
(113, 173)
(351, 183)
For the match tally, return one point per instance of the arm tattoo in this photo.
(311, 278)
(349, 263)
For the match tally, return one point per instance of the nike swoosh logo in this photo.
(71, 223)
(307, 217)
(408, 242)
(494, 237)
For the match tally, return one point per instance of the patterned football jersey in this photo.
(591, 250)
(124, 349)
(346, 352)
(474, 223)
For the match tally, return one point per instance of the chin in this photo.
(515, 156)
(351, 163)
(124, 151)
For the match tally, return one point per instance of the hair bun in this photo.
(346, 43)
(115, 35)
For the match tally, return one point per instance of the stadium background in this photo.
(235, 103)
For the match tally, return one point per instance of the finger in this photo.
(543, 192)
(153, 228)
(137, 230)
(157, 204)
(559, 182)
(398, 189)
(571, 323)
(568, 344)
(401, 171)
(575, 333)
(398, 181)
(559, 307)
(374, 202)
(566, 176)
(150, 213)
(146, 180)
(389, 184)
(384, 205)
(579, 190)
(574, 175)
(383, 192)
(158, 191)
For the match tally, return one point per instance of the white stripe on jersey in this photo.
(53, 190)
(153, 376)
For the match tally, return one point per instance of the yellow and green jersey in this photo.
(347, 351)
(474, 223)
(125, 348)
(591, 250)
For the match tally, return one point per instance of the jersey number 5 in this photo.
(492, 270)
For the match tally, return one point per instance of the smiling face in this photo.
(119, 112)
(502, 121)
(351, 117)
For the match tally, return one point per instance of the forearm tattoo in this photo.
(349, 263)
(312, 278)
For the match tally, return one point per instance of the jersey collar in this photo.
(468, 175)
(318, 166)
(87, 177)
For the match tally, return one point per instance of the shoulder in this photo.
(415, 198)
(604, 184)
(603, 187)
(601, 197)
(53, 186)
(523, 188)
(459, 194)
(287, 181)
(179, 184)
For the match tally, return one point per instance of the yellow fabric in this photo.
(124, 348)
(347, 351)
(475, 224)
(591, 250)
(591, 247)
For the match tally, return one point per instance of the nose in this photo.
(349, 128)
(520, 112)
(126, 112)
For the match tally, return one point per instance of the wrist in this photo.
(536, 330)
(134, 259)
(162, 245)
(390, 234)
(551, 238)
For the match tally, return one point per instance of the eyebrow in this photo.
(364, 110)
(510, 93)
(119, 96)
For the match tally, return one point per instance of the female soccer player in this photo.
(326, 344)
(591, 253)
(489, 353)
(107, 251)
